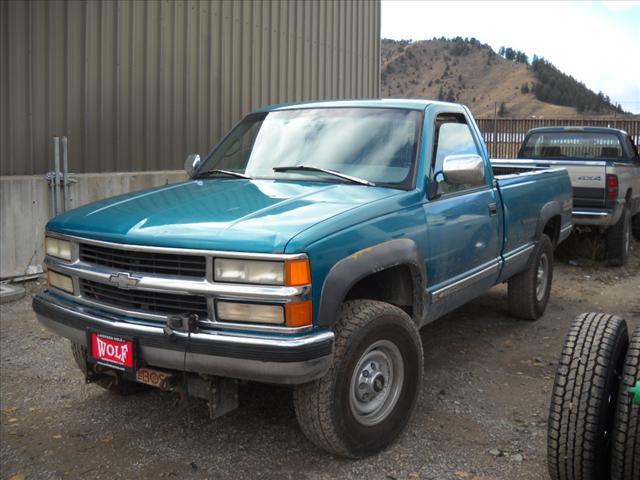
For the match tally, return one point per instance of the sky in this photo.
(596, 42)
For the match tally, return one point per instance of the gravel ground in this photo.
(481, 415)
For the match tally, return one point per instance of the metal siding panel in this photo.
(16, 121)
(214, 71)
(247, 40)
(344, 39)
(178, 80)
(137, 85)
(313, 45)
(227, 50)
(273, 57)
(165, 55)
(335, 53)
(192, 74)
(122, 92)
(299, 63)
(105, 90)
(90, 157)
(138, 99)
(154, 157)
(283, 94)
(203, 77)
(375, 39)
(236, 62)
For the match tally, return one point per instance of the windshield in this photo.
(378, 145)
(573, 146)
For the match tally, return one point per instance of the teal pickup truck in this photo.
(307, 248)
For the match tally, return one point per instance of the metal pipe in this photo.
(65, 175)
(49, 177)
(56, 173)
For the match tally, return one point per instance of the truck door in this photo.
(464, 224)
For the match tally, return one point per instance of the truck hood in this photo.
(219, 214)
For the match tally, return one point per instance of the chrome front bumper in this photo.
(265, 358)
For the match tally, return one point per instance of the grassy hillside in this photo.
(469, 72)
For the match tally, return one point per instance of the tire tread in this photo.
(579, 395)
(625, 455)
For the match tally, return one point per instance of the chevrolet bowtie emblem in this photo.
(124, 280)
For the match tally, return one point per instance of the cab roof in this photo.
(405, 103)
(576, 128)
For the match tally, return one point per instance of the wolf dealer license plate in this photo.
(112, 351)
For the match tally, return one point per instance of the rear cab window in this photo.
(573, 146)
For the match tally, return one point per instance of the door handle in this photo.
(493, 209)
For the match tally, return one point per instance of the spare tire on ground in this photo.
(584, 397)
(625, 447)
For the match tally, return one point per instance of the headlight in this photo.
(249, 271)
(58, 248)
(291, 273)
(60, 281)
(299, 314)
(249, 312)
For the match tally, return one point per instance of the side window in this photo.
(453, 137)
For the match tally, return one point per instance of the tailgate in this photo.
(589, 182)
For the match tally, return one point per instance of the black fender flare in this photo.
(350, 270)
(548, 211)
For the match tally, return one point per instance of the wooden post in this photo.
(495, 129)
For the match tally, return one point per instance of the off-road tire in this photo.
(625, 449)
(323, 406)
(522, 288)
(635, 226)
(584, 397)
(619, 240)
(114, 383)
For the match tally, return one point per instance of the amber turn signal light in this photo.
(299, 314)
(297, 272)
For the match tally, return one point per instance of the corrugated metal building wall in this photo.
(136, 85)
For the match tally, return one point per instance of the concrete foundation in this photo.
(25, 208)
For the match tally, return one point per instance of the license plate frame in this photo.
(115, 358)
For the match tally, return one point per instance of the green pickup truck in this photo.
(307, 248)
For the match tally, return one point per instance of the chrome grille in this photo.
(147, 262)
(138, 300)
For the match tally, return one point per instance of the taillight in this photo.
(612, 186)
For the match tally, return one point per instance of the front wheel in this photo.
(529, 290)
(366, 398)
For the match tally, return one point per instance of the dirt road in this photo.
(482, 413)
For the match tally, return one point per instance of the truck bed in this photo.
(587, 177)
(505, 167)
(518, 185)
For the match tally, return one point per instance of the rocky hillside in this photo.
(469, 72)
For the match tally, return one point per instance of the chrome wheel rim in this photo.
(376, 383)
(542, 276)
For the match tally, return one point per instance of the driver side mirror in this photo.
(463, 170)
(191, 164)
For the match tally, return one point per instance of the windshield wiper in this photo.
(225, 172)
(361, 181)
